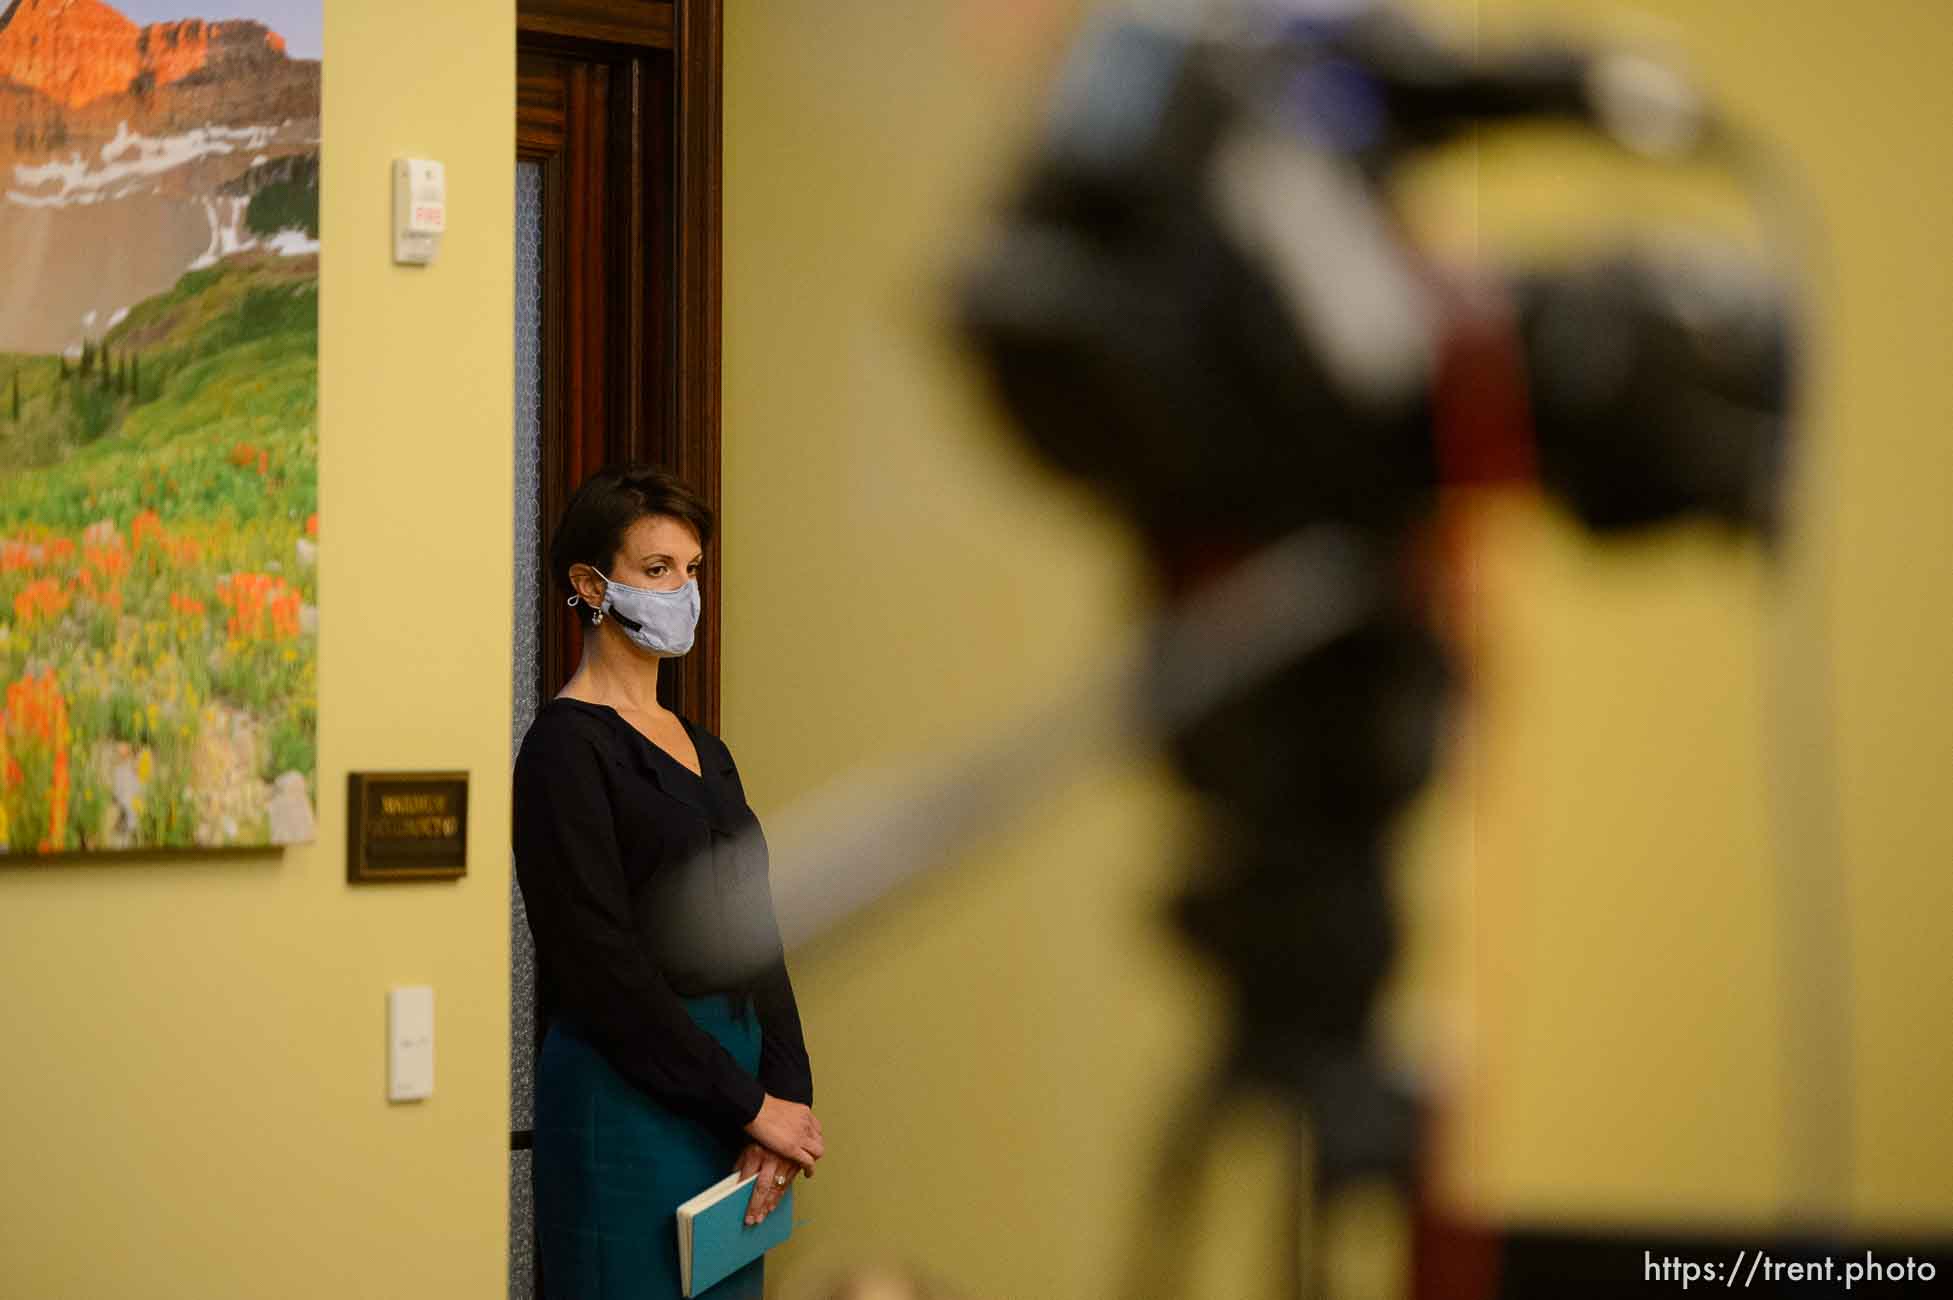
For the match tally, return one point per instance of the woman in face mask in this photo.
(673, 1052)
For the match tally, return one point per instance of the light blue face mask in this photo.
(662, 622)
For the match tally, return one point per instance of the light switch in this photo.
(410, 1043)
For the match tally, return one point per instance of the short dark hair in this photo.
(603, 509)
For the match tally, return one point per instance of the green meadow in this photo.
(158, 585)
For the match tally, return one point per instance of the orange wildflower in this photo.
(35, 718)
(41, 599)
(109, 561)
(262, 606)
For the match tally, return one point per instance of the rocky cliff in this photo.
(76, 52)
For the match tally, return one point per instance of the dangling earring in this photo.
(599, 619)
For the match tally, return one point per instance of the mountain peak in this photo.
(76, 51)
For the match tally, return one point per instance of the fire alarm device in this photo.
(420, 209)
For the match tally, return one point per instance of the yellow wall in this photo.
(990, 1060)
(195, 1088)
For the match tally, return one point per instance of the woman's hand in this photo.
(774, 1173)
(788, 1129)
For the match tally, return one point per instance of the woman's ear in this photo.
(588, 585)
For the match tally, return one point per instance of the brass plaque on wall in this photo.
(406, 826)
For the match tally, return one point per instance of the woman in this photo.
(667, 1060)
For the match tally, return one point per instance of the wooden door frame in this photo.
(621, 102)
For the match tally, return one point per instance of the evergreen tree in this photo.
(87, 357)
(16, 394)
(135, 376)
(63, 359)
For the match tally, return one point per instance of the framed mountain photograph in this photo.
(159, 528)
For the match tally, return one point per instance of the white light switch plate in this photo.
(410, 1043)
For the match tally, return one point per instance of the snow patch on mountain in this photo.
(127, 164)
(227, 233)
(292, 243)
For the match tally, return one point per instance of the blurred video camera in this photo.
(1200, 302)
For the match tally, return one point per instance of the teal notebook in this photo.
(713, 1239)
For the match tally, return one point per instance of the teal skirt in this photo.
(613, 1166)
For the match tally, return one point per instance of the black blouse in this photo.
(646, 883)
